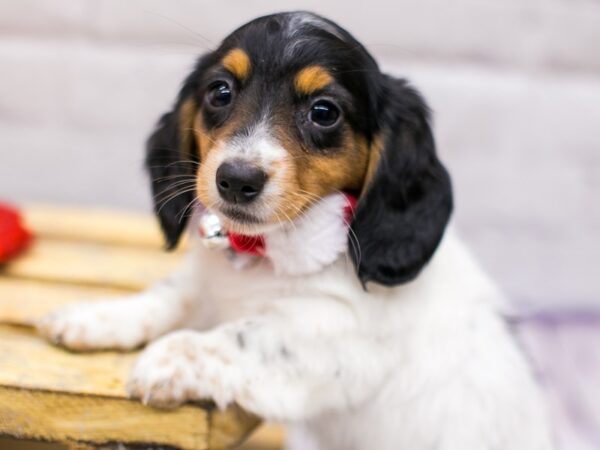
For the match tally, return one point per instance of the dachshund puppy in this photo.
(340, 305)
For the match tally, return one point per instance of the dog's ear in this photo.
(407, 198)
(172, 160)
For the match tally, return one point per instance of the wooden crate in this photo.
(48, 393)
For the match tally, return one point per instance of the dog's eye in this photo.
(324, 113)
(219, 94)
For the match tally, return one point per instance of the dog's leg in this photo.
(126, 322)
(263, 366)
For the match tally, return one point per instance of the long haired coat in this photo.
(372, 329)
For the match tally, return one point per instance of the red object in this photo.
(350, 207)
(241, 243)
(255, 245)
(14, 237)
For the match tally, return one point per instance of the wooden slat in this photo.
(20, 303)
(93, 225)
(266, 437)
(29, 362)
(92, 264)
(65, 418)
(61, 417)
(49, 393)
(8, 443)
(24, 301)
(229, 429)
(52, 394)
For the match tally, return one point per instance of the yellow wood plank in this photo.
(95, 225)
(29, 362)
(24, 301)
(10, 443)
(92, 264)
(49, 393)
(52, 394)
(56, 416)
(229, 430)
(266, 437)
(59, 417)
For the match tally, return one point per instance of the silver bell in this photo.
(211, 230)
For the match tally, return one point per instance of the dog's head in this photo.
(291, 108)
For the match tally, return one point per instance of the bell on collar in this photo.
(211, 231)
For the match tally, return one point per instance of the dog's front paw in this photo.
(182, 366)
(93, 326)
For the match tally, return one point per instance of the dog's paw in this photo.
(182, 366)
(93, 326)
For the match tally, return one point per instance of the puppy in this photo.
(339, 306)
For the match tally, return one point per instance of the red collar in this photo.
(255, 245)
(242, 243)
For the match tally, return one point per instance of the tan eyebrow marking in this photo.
(238, 63)
(311, 79)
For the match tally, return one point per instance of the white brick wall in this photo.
(514, 85)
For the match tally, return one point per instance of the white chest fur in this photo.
(299, 340)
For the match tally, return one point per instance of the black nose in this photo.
(240, 182)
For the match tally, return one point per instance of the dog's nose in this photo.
(240, 182)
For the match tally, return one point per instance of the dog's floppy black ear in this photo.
(172, 159)
(405, 205)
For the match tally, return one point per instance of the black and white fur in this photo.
(388, 336)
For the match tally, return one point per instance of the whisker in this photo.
(173, 196)
(312, 200)
(352, 237)
(196, 163)
(172, 184)
(184, 27)
(180, 182)
(173, 177)
(182, 214)
(289, 219)
(168, 191)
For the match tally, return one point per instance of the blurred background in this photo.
(514, 86)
